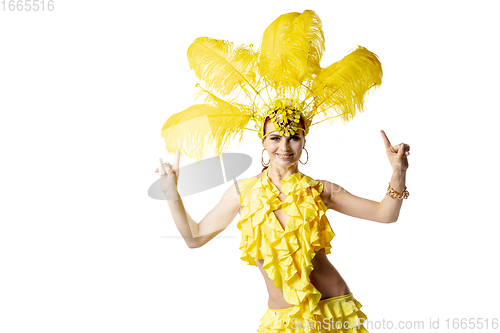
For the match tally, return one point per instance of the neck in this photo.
(276, 173)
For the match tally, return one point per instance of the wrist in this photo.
(398, 180)
(391, 192)
(398, 172)
(171, 194)
(397, 168)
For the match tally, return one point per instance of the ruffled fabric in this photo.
(339, 314)
(287, 252)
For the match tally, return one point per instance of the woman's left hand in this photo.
(397, 154)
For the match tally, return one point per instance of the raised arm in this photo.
(198, 234)
(340, 200)
(385, 211)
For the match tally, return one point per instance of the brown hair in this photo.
(300, 124)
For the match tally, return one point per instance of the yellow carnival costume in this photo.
(282, 81)
(288, 253)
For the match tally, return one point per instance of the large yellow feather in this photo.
(222, 67)
(277, 59)
(204, 128)
(341, 87)
(308, 36)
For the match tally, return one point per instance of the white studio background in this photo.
(85, 90)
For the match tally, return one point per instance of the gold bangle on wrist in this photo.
(395, 195)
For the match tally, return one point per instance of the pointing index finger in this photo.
(386, 141)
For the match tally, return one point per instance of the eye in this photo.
(277, 138)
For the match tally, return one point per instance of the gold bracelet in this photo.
(395, 195)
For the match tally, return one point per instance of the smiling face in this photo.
(283, 151)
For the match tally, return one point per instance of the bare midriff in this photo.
(324, 277)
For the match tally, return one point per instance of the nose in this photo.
(285, 144)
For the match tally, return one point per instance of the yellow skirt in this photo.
(339, 314)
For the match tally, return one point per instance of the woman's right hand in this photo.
(168, 180)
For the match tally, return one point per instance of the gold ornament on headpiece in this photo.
(285, 115)
(282, 81)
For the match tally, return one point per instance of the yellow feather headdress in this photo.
(282, 80)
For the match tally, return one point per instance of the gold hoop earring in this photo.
(307, 157)
(262, 159)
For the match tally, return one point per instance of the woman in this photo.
(284, 155)
(285, 231)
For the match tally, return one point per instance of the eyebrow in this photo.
(277, 135)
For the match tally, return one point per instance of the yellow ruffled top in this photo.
(287, 252)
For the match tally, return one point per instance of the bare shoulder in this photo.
(234, 189)
(329, 191)
(329, 187)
